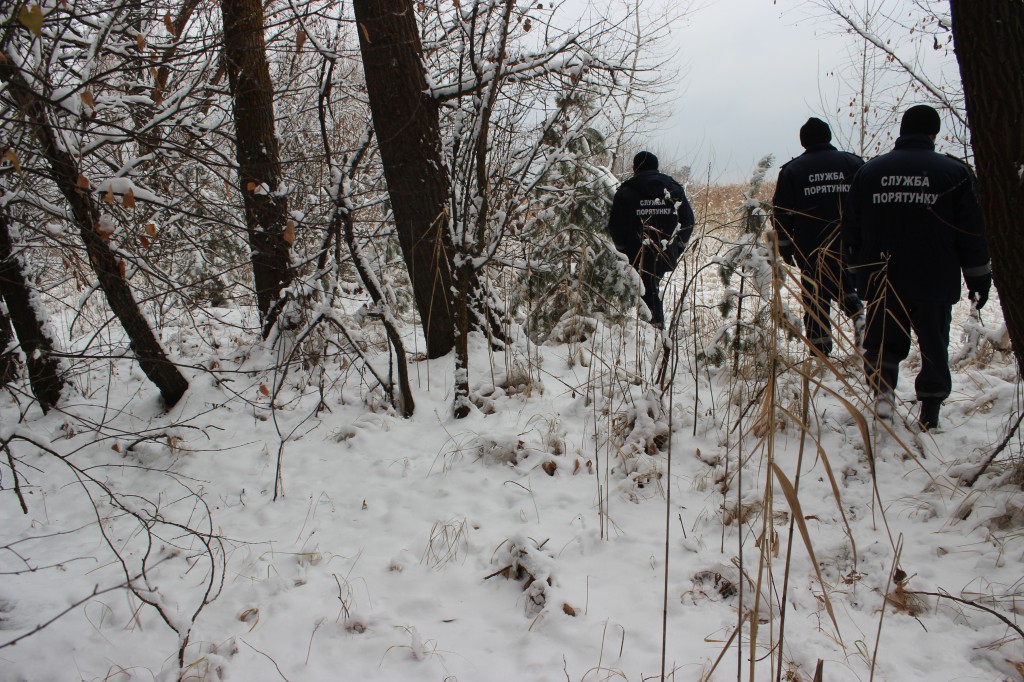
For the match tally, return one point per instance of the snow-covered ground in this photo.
(548, 536)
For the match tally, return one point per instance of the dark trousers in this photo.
(817, 302)
(887, 343)
(652, 297)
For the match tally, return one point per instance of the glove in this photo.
(978, 288)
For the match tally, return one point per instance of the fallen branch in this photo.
(967, 602)
(96, 591)
(995, 453)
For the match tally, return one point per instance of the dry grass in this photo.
(448, 539)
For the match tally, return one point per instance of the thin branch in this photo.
(912, 71)
(74, 605)
(966, 602)
(996, 452)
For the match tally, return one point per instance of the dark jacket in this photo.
(651, 221)
(808, 205)
(912, 216)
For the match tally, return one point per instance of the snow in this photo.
(532, 540)
(121, 186)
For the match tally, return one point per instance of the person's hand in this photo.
(978, 288)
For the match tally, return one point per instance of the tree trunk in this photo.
(8, 359)
(343, 216)
(43, 369)
(108, 267)
(989, 41)
(407, 124)
(259, 165)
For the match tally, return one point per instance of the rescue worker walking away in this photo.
(651, 222)
(808, 205)
(912, 225)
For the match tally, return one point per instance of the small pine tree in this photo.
(574, 273)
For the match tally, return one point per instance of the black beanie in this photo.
(645, 161)
(920, 120)
(815, 131)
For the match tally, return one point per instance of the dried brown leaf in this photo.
(250, 615)
(11, 156)
(31, 16)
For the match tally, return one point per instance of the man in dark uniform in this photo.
(651, 222)
(912, 225)
(808, 205)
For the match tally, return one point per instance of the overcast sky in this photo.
(751, 71)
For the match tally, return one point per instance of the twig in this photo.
(804, 425)
(967, 602)
(96, 591)
(267, 657)
(885, 601)
(995, 453)
(14, 474)
(728, 643)
(316, 627)
(668, 498)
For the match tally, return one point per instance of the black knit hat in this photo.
(645, 161)
(920, 120)
(815, 131)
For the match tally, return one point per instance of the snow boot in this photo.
(885, 404)
(929, 417)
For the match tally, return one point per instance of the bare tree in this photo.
(259, 166)
(8, 359)
(406, 119)
(480, 85)
(525, 98)
(22, 304)
(901, 52)
(989, 39)
(62, 169)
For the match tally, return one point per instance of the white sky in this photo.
(750, 77)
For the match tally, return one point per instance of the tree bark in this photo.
(43, 369)
(257, 151)
(989, 42)
(407, 123)
(8, 360)
(108, 267)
